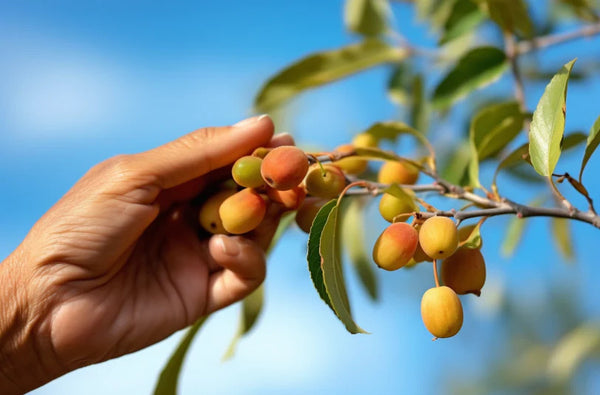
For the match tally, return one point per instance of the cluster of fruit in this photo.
(285, 176)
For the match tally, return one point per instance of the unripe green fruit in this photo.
(351, 165)
(391, 206)
(438, 237)
(365, 140)
(242, 211)
(441, 312)
(209, 212)
(290, 199)
(395, 246)
(326, 183)
(284, 167)
(308, 211)
(392, 172)
(246, 172)
(464, 271)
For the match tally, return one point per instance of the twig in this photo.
(512, 55)
(557, 38)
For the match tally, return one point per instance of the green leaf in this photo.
(457, 164)
(314, 256)
(573, 140)
(399, 85)
(333, 276)
(354, 241)
(548, 123)
(168, 379)
(325, 67)
(367, 17)
(514, 235)
(572, 350)
(391, 130)
(419, 112)
(592, 143)
(473, 240)
(561, 230)
(476, 69)
(583, 9)
(511, 15)
(464, 18)
(492, 129)
(251, 309)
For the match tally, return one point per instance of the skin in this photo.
(119, 263)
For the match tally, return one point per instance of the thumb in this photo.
(204, 150)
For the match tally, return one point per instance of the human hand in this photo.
(117, 264)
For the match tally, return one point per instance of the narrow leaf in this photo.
(391, 130)
(399, 85)
(561, 230)
(572, 350)
(169, 377)
(592, 143)
(251, 309)
(583, 9)
(476, 69)
(314, 255)
(333, 276)
(511, 15)
(324, 67)
(354, 241)
(514, 235)
(457, 165)
(472, 240)
(548, 125)
(419, 112)
(464, 18)
(366, 17)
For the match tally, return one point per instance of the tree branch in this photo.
(558, 38)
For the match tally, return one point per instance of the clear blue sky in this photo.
(81, 81)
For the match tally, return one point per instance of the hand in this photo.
(117, 264)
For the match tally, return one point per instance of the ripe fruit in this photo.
(308, 211)
(246, 172)
(290, 199)
(391, 206)
(464, 271)
(395, 246)
(242, 211)
(327, 183)
(350, 165)
(365, 140)
(398, 172)
(209, 212)
(284, 167)
(438, 237)
(441, 312)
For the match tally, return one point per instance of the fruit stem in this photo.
(435, 273)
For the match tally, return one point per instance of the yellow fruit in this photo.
(420, 255)
(351, 165)
(464, 271)
(209, 212)
(365, 140)
(395, 246)
(284, 167)
(441, 312)
(242, 211)
(392, 172)
(438, 237)
(327, 183)
(391, 206)
(308, 211)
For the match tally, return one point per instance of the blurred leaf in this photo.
(169, 377)
(401, 193)
(367, 17)
(464, 18)
(561, 230)
(575, 347)
(407, 88)
(572, 140)
(419, 114)
(353, 225)
(583, 9)
(391, 130)
(455, 169)
(251, 309)
(477, 68)
(325, 67)
(592, 143)
(314, 255)
(515, 157)
(548, 123)
(514, 235)
(511, 15)
(436, 12)
(399, 85)
(333, 276)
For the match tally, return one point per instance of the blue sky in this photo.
(82, 81)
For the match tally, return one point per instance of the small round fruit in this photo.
(441, 312)
(350, 165)
(242, 211)
(246, 172)
(464, 271)
(420, 255)
(290, 199)
(284, 167)
(209, 212)
(326, 183)
(365, 140)
(392, 172)
(438, 237)
(390, 206)
(395, 246)
(308, 211)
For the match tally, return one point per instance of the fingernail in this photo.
(250, 121)
(228, 246)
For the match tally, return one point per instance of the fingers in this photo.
(281, 139)
(204, 150)
(244, 270)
